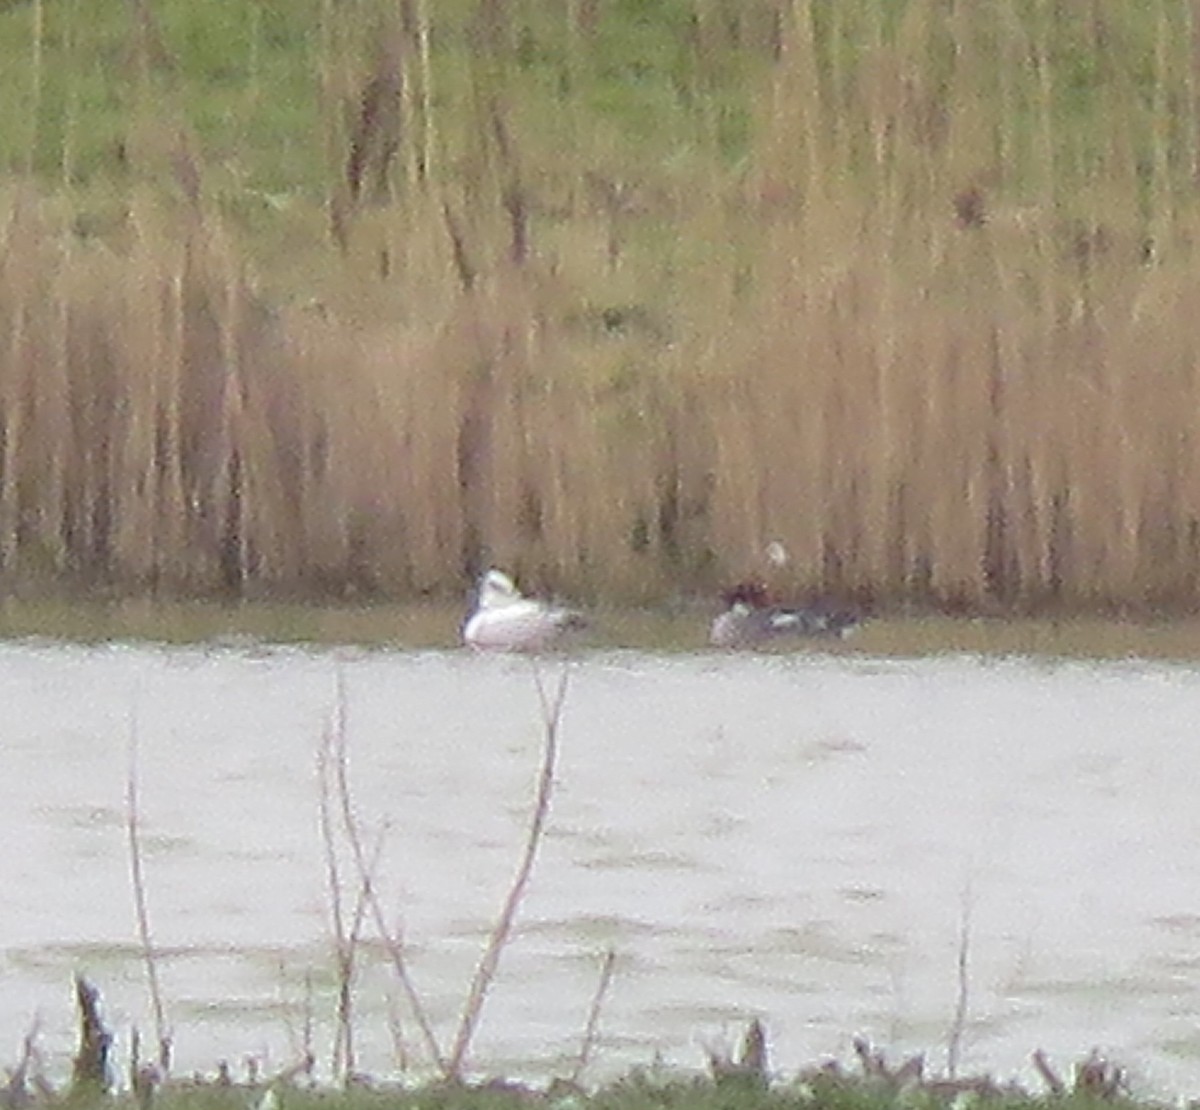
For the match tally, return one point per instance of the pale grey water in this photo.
(790, 837)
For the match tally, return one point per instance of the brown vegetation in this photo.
(940, 346)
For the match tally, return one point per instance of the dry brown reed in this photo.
(933, 336)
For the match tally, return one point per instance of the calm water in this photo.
(791, 837)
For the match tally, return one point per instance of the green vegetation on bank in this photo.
(746, 1082)
(679, 1093)
(256, 626)
(634, 1094)
(319, 299)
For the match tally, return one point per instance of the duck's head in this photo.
(496, 589)
(750, 595)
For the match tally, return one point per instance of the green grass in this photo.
(640, 1091)
(434, 625)
(264, 84)
(245, 79)
(665, 92)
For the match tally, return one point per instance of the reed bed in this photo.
(613, 297)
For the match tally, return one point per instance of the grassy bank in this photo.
(745, 1081)
(344, 299)
(436, 625)
(678, 1093)
(872, 1083)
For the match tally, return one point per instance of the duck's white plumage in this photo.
(504, 620)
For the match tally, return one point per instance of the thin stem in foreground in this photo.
(591, 1030)
(954, 1046)
(365, 869)
(138, 878)
(334, 786)
(552, 709)
(342, 1062)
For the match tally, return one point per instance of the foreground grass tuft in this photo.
(632, 1093)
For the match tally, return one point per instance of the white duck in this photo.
(502, 619)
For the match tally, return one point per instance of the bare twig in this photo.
(1095, 1077)
(307, 1042)
(395, 948)
(751, 1064)
(552, 708)
(144, 1079)
(346, 935)
(352, 942)
(396, 1029)
(592, 1029)
(16, 1093)
(1049, 1076)
(138, 878)
(873, 1063)
(135, 1056)
(1098, 1078)
(954, 1044)
(90, 1067)
(333, 883)
(753, 1057)
(875, 1067)
(335, 783)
